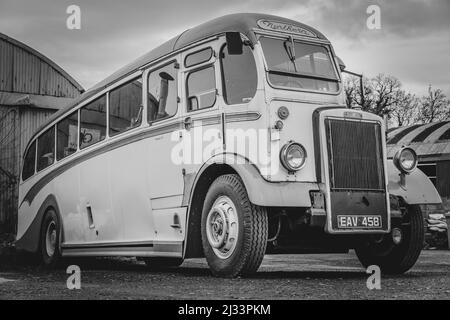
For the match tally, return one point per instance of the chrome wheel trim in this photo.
(50, 239)
(222, 227)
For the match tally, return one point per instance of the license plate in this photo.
(359, 222)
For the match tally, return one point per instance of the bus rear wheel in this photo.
(397, 252)
(49, 252)
(234, 231)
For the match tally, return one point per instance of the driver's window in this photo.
(239, 76)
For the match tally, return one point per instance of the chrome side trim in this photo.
(140, 249)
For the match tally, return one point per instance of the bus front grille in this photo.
(355, 157)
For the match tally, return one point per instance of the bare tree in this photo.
(434, 107)
(354, 96)
(385, 94)
(380, 94)
(350, 91)
(405, 110)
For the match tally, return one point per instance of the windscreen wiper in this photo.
(290, 50)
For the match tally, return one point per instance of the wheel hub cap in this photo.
(222, 227)
(50, 239)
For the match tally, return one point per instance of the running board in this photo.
(135, 249)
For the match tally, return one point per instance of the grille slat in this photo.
(355, 154)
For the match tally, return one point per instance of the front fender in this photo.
(262, 192)
(418, 189)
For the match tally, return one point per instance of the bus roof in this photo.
(244, 23)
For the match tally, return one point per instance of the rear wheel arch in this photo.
(30, 240)
(199, 190)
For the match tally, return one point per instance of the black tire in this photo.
(251, 242)
(162, 263)
(46, 258)
(396, 259)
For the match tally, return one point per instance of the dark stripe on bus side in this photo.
(31, 194)
(151, 132)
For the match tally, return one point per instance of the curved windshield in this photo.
(299, 65)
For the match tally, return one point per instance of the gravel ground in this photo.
(280, 277)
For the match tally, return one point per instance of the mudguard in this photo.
(29, 241)
(260, 191)
(418, 189)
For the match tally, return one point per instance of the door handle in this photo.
(176, 222)
(188, 123)
(90, 217)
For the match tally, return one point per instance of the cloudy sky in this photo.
(413, 43)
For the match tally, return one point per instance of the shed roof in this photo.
(36, 53)
(428, 140)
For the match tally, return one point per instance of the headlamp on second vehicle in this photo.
(406, 160)
(293, 156)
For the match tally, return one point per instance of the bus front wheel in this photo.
(392, 257)
(234, 231)
(50, 239)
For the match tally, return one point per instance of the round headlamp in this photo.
(406, 160)
(293, 156)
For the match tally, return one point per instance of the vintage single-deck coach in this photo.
(103, 177)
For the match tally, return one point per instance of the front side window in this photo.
(46, 149)
(93, 122)
(29, 162)
(125, 107)
(239, 76)
(162, 97)
(66, 136)
(299, 65)
(201, 88)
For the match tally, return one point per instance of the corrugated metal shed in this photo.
(32, 88)
(24, 70)
(432, 144)
(430, 141)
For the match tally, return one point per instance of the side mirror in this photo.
(341, 64)
(234, 43)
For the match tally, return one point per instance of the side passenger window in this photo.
(46, 149)
(162, 93)
(29, 162)
(66, 136)
(125, 107)
(201, 88)
(93, 122)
